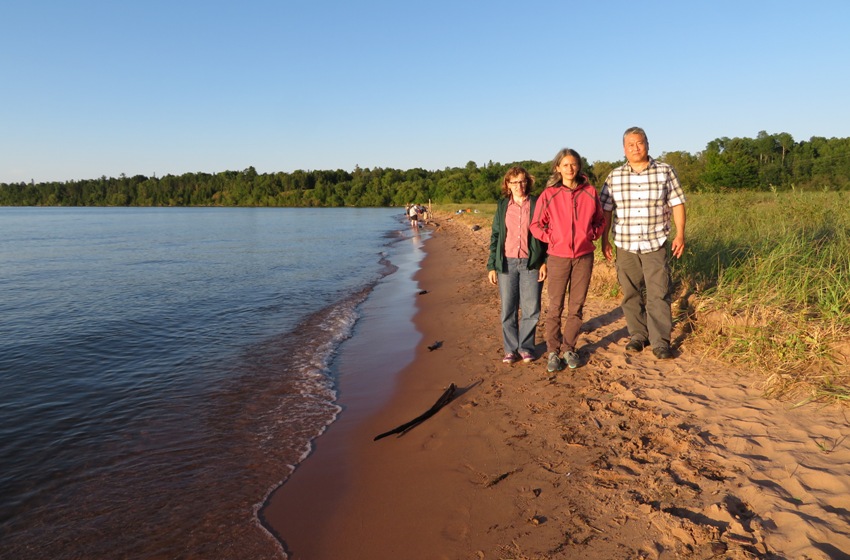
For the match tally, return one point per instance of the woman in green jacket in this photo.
(517, 264)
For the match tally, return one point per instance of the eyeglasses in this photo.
(517, 183)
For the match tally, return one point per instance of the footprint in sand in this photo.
(456, 531)
(433, 442)
(465, 410)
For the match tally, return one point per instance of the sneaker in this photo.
(572, 359)
(636, 345)
(526, 356)
(662, 352)
(510, 358)
(554, 363)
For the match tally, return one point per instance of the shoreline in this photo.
(299, 511)
(625, 457)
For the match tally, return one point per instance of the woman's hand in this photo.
(492, 276)
(541, 274)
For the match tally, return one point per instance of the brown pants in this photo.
(564, 274)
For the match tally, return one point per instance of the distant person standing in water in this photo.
(569, 219)
(638, 198)
(413, 214)
(517, 265)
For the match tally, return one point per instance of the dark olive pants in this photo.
(649, 318)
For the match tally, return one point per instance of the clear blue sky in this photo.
(92, 88)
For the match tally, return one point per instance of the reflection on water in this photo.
(162, 369)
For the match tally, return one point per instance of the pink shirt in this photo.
(516, 222)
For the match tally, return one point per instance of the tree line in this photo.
(767, 162)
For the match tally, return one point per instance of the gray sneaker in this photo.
(554, 363)
(572, 359)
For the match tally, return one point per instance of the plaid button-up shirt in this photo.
(642, 204)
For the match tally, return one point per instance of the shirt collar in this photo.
(511, 201)
(648, 165)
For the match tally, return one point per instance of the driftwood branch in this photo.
(444, 399)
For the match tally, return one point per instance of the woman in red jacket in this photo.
(568, 217)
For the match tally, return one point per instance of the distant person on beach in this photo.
(640, 196)
(517, 264)
(568, 219)
(413, 214)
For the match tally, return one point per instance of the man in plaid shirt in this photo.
(641, 196)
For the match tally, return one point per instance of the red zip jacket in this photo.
(568, 220)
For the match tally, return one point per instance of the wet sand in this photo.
(626, 457)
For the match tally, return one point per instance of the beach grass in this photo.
(764, 284)
(770, 273)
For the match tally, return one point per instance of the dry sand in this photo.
(626, 457)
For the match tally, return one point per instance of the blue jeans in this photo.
(519, 291)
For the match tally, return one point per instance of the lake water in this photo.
(162, 370)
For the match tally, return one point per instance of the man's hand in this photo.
(678, 246)
(607, 249)
(679, 217)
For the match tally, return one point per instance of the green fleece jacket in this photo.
(536, 248)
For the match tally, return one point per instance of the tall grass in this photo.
(771, 275)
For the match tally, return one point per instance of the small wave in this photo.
(311, 348)
(297, 366)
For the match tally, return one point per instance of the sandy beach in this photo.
(626, 457)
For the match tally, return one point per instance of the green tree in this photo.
(689, 168)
